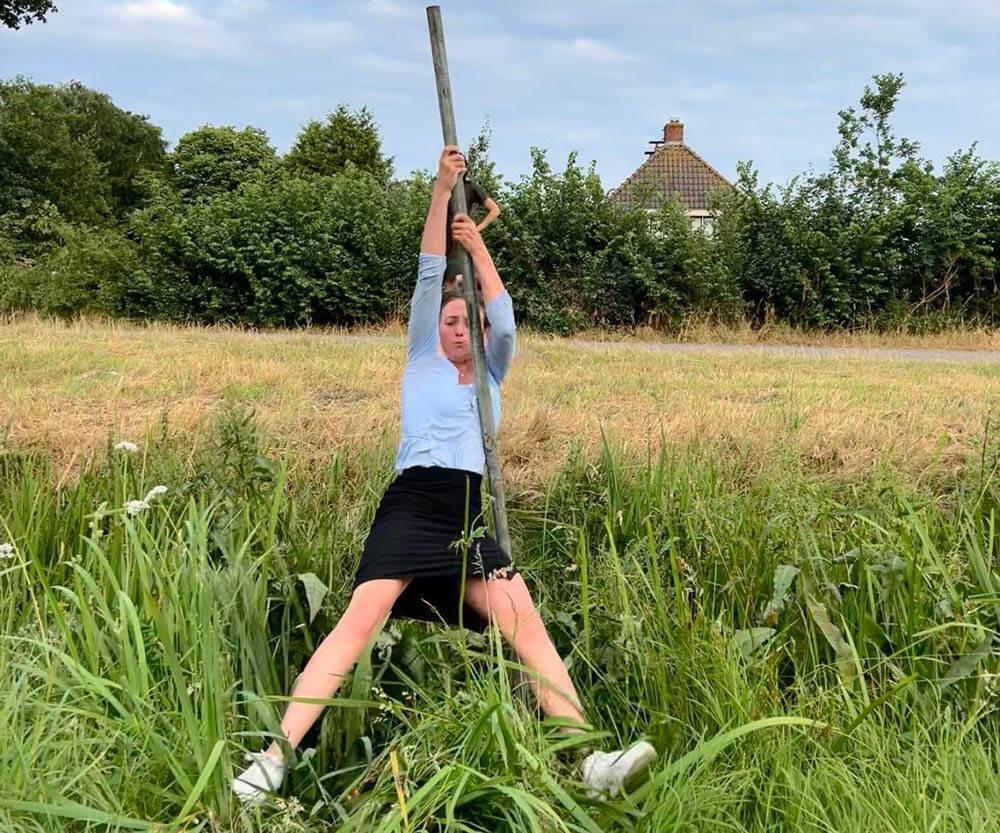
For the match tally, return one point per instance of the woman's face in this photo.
(453, 329)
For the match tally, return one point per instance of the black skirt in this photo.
(415, 534)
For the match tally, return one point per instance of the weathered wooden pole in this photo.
(469, 287)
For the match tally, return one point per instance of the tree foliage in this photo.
(94, 216)
(72, 147)
(878, 236)
(345, 138)
(216, 160)
(17, 13)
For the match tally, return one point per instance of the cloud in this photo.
(241, 9)
(590, 49)
(318, 32)
(808, 29)
(957, 14)
(584, 135)
(157, 10)
(545, 15)
(169, 28)
(759, 80)
(162, 25)
(383, 65)
(483, 47)
(703, 93)
(389, 8)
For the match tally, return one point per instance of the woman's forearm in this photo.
(492, 212)
(434, 240)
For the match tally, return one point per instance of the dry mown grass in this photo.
(697, 331)
(66, 386)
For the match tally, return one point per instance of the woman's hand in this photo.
(464, 230)
(450, 166)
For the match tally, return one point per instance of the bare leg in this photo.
(508, 603)
(333, 659)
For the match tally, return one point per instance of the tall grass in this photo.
(807, 654)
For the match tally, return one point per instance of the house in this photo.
(673, 171)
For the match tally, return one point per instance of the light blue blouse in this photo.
(439, 417)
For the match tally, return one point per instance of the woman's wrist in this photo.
(441, 190)
(480, 254)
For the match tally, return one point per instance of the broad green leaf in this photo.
(315, 592)
(746, 641)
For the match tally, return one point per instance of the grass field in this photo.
(65, 389)
(783, 571)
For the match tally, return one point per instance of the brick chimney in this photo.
(673, 132)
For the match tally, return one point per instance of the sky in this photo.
(758, 80)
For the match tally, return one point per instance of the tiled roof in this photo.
(672, 170)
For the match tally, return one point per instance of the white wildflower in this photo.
(155, 492)
(6, 551)
(134, 507)
(125, 445)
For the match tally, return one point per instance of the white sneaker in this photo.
(606, 773)
(264, 775)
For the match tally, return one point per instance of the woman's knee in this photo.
(508, 603)
(369, 606)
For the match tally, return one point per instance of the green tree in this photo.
(479, 166)
(322, 250)
(326, 148)
(72, 147)
(951, 235)
(87, 269)
(125, 144)
(869, 157)
(876, 233)
(564, 244)
(40, 161)
(15, 13)
(216, 160)
(859, 201)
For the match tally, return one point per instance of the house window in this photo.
(702, 221)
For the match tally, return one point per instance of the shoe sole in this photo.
(251, 793)
(646, 755)
(641, 763)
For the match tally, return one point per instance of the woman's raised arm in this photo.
(425, 305)
(502, 343)
(450, 166)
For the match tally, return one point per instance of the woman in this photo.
(410, 566)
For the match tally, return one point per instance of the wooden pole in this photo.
(469, 287)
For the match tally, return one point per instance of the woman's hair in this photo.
(455, 293)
